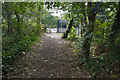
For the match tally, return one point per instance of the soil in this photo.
(50, 57)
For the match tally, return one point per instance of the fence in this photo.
(62, 26)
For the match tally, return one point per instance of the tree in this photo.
(49, 19)
(70, 15)
(68, 29)
(115, 29)
(40, 12)
(19, 29)
(114, 40)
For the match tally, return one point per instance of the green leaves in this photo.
(12, 51)
(49, 19)
(21, 16)
(72, 33)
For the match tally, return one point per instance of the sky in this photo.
(56, 12)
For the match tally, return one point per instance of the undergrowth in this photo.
(11, 51)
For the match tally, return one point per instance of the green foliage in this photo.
(25, 18)
(10, 52)
(49, 20)
(72, 35)
(100, 36)
(20, 29)
(66, 16)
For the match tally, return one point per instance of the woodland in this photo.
(97, 48)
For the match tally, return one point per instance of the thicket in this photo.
(49, 20)
(21, 26)
(98, 46)
(97, 49)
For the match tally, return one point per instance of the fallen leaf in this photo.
(34, 70)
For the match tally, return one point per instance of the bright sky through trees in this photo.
(56, 12)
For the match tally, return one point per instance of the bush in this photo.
(10, 52)
(72, 35)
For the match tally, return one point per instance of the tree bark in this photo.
(68, 30)
(18, 20)
(90, 29)
(8, 21)
(8, 13)
(82, 23)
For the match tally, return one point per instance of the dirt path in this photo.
(48, 58)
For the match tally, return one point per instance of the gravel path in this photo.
(48, 58)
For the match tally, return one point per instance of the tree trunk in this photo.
(18, 20)
(90, 28)
(68, 30)
(82, 23)
(8, 21)
(9, 13)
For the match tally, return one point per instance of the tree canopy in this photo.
(97, 47)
